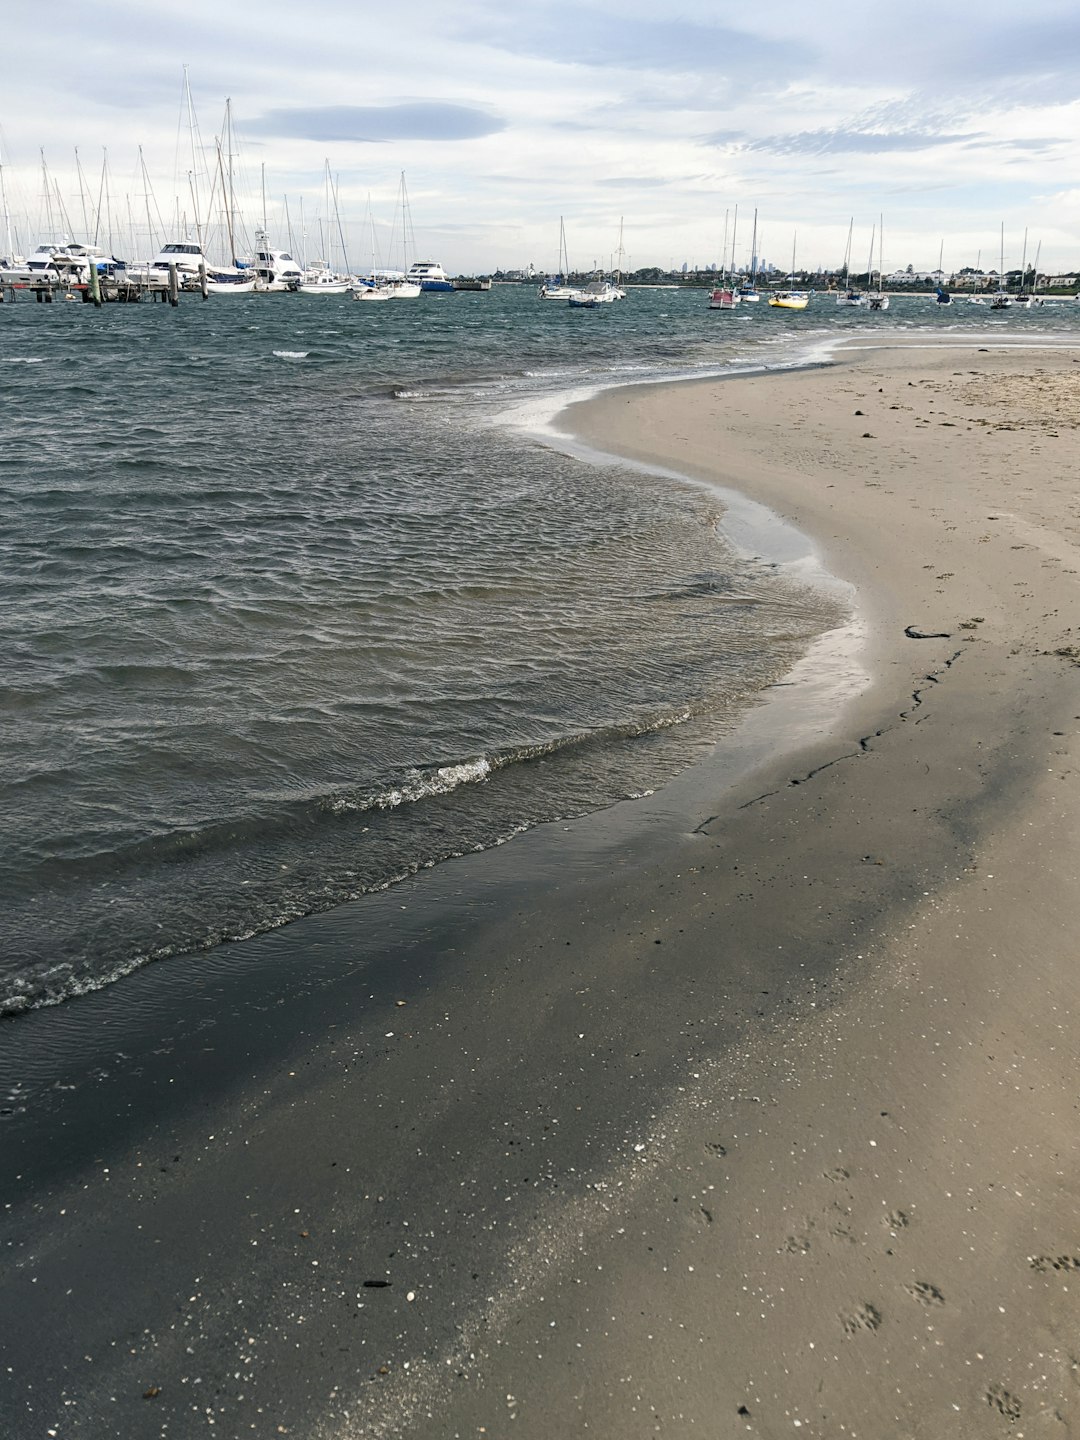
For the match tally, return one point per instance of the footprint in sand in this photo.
(866, 1317)
(1004, 1402)
(925, 1293)
(1042, 1263)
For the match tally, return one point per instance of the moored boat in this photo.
(275, 271)
(724, 298)
(790, 300)
(321, 280)
(431, 277)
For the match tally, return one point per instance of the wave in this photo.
(257, 844)
(292, 354)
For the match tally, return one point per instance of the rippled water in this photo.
(287, 614)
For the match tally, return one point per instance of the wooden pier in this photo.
(119, 289)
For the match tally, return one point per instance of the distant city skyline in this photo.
(941, 126)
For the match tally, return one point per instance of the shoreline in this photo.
(707, 1125)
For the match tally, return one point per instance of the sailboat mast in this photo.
(337, 221)
(48, 196)
(408, 239)
(1001, 260)
(7, 213)
(734, 230)
(193, 174)
(232, 193)
(102, 197)
(146, 202)
(228, 211)
(753, 250)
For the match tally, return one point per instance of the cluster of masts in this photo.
(207, 240)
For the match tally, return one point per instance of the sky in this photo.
(938, 123)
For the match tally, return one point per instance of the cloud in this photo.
(849, 142)
(591, 38)
(633, 182)
(375, 124)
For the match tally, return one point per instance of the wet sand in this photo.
(748, 1109)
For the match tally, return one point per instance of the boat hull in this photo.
(789, 301)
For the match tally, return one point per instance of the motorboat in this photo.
(63, 262)
(371, 290)
(229, 282)
(599, 291)
(321, 280)
(431, 277)
(556, 288)
(395, 282)
(189, 259)
(275, 270)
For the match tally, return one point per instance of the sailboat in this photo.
(877, 299)
(231, 279)
(726, 297)
(276, 272)
(1022, 300)
(396, 281)
(790, 299)
(319, 277)
(941, 295)
(1002, 299)
(850, 295)
(747, 292)
(557, 286)
(600, 290)
(375, 286)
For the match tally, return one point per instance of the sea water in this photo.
(288, 612)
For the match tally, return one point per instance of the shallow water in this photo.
(287, 614)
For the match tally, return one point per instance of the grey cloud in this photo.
(848, 142)
(373, 124)
(633, 182)
(590, 38)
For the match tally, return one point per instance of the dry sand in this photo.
(867, 1222)
(766, 1126)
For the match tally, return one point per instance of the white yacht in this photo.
(63, 260)
(319, 279)
(391, 285)
(275, 271)
(598, 291)
(430, 276)
(189, 259)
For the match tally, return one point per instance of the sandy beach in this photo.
(749, 1108)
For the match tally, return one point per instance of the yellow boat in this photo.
(790, 299)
